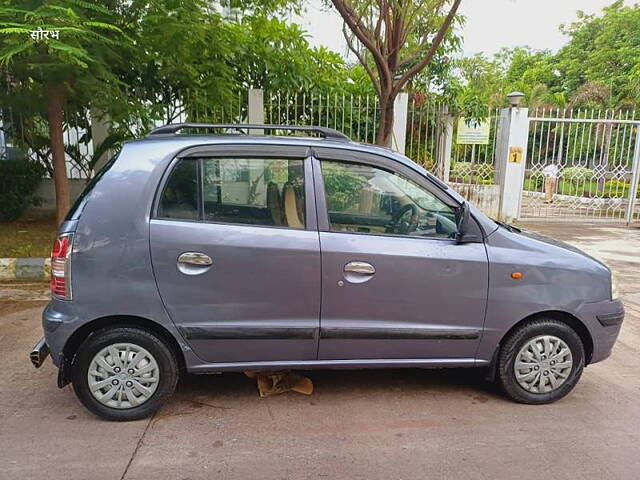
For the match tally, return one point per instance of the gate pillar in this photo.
(511, 160)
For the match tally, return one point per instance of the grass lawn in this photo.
(31, 236)
(582, 188)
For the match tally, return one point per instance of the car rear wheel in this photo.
(540, 362)
(124, 373)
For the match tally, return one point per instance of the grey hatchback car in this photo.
(206, 253)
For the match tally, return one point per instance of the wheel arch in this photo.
(81, 334)
(565, 317)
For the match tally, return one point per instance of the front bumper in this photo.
(39, 353)
(604, 321)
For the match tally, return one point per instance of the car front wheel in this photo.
(124, 373)
(541, 362)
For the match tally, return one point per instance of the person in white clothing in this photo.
(550, 173)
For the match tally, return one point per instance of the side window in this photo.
(364, 199)
(180, 197)
(254, 191)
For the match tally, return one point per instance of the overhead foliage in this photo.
(599, 67)
(275, 55)
(604, 50)
(73, 67)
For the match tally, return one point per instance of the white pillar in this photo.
(511, 160)
(255, 111)
(399, 132)
(445, 141)
(99, 132)
(635, 179)
(256, 106)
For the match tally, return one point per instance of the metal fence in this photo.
(22, 135)
(475, 163)
(581, 164)
(197, 108)
(425, 125)
(473, 167)
(358, 116)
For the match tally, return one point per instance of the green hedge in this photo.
(578, 174)
(19, 180)
(464, 172)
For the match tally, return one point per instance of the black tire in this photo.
(517, 339)
(163, 355)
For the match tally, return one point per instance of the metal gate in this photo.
(473, 167)
(582, 165)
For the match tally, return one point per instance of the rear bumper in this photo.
(58, 322)
(604, 320)
(39, 353)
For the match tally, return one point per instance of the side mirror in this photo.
(462, 223)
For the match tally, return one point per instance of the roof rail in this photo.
(328, 133)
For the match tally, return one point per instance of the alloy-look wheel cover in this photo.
(123, 375)
(543, 364)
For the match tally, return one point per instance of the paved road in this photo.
(400, 424)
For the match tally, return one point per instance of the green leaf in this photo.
(7, 55)
(91, 6)
(14, 30)
(104, 26)
(76, 55)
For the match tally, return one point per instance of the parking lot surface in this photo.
(400, 424)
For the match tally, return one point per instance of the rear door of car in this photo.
(387, 292)
(236, 254)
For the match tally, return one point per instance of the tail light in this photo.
(61, 266)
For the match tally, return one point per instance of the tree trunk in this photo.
(385, 131)
(55, 107)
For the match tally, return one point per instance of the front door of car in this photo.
(236, 254)
(395, 283)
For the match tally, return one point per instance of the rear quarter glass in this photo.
(78, 206)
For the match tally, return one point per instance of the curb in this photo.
(25, 268)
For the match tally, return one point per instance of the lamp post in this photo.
(515, 99)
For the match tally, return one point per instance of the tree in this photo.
(274, 55)
(182, 63)
(599, 67)
(193, 61)
(395, 40)
(135, 63)
(480, 82)
(603, 52)
(73, 64)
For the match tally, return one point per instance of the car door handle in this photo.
(196, 259)
(361, 268)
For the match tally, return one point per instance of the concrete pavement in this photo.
(401, 424)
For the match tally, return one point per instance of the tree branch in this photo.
(435, 44)
(363, 34)
(362, 59)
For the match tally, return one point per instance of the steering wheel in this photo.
(403, 224)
